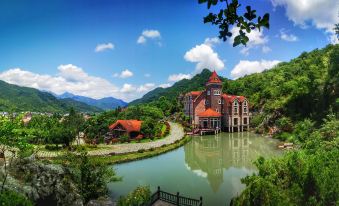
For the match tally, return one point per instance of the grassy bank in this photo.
(141, 154)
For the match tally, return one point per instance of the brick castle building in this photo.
(211, 109)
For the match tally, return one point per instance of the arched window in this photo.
(235, 106)
(206, 102)
(216, 92)
(245, 107)
(219, 101)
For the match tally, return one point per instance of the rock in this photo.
(39, 181)
(101, 201)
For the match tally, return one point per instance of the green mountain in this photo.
(16, 98)
(305, 87)
(195, 84)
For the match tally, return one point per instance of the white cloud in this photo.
(149, 34)
(178, 77)
(146, 87)
(322, 14)
(124, 74)
(128, 88)
(287, 37)
(147, 75)
(245, 67)
(212, 41)
(205, 57)
(103, 47)
(141, 40)
(256, 39)
(266, 49)
(73, 79)
(165, 85)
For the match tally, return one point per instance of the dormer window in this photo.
(216, 92)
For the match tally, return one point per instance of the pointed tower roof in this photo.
(214, 78)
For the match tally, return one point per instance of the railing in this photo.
(173, 199)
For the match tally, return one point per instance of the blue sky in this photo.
(91, 48)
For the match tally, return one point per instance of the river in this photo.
(208, 166)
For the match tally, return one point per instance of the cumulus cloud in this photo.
(73, 79)
(149, 34)
(245, 67)
(322, 14)
(205, 57)
(165, 85)
(256, 39)
(287, 37)
(178, 77)
(124, 74)
(212, 41)
(146, 87)
(104, 47)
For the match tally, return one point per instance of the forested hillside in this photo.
(171, 93)
(305, 87)
(14, 98)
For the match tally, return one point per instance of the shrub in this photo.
(124, 138)
(141, 150)
(52, 147)
(11, 198)
(139, 196)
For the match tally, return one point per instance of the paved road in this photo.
(176, 133)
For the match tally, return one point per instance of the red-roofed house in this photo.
(131, 128)
(211, 109)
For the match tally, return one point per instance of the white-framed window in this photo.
(217, 110)
(235, 106)
(216, 92)
(219, 101)
(206, 102)
(208, 92)
(245, 107)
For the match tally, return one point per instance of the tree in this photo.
(90, 176)
(72, 125)
(229, 17)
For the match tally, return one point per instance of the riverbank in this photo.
(176, 134)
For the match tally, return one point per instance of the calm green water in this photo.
(208, 166)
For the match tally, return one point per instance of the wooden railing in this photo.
(173, 199)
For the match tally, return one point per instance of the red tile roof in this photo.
(129, 125)
(195, 93)
(230, 98)
(214, 78)
(209, 113)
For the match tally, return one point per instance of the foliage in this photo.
(305, 87)
(90, 176)
(16, 98)
(137, 197)
(150, 128)
(10, 198)
(229, 16)
(308, 176)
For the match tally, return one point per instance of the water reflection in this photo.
(208, 156)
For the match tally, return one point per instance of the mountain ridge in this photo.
(18, 98)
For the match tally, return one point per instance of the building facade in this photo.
(212, 109)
